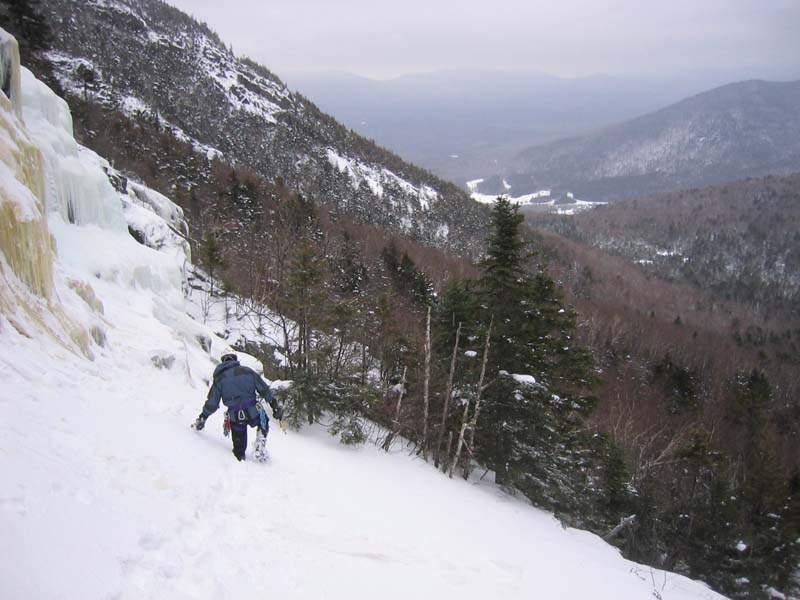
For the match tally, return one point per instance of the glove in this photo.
(199, 423)
(277, 411)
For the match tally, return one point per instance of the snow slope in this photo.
(107, 492)
(541, 201)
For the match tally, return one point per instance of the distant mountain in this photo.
(739, 240)
(152, 61)
(459, 122)
(738, 130)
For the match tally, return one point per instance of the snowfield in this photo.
(543, 200)
(107, 492)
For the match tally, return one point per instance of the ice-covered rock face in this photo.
(86, 263)
(25, 241)
(9, 71)
(64, 229)
(78, 192)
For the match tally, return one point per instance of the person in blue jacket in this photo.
(237, 386)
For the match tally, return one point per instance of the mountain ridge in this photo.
(741, 129)
(148, 58)
(457, 121)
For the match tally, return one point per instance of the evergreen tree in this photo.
(533, 328)
(349, 271)
(532, 433)
(212, 257)
(88, 79)
(303, 288)
(766, 520)
(24, 20)
(406, 278)
(456, 305)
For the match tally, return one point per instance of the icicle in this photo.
(80, 193)
(24, 237)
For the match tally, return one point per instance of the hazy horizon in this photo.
(716, 40)
(701, 77)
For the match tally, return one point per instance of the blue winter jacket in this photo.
(237, 386)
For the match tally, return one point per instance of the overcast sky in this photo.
(379, 39)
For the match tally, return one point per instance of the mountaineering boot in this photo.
(260, 450)
(239, 442)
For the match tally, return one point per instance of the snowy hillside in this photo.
(151, 62)
(108, 493)
(745, 129)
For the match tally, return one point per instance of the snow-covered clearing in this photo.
(542, 200)
(520, 200)
(107, 492)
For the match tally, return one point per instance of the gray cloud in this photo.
(735, 38)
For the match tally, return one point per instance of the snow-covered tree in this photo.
(532, 432)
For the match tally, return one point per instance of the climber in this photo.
(236, 386)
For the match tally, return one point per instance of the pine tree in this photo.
(764, 492)
(304, 277)
(457, 304)
(531, 434)
(407, 279)
(25, 21)
(533, 326)
(88, 79)
(212, 257)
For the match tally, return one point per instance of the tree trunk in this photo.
(624, 523)
(447, 452)
(474, 422)
(363, 363)
(448, 393)
(287, 346)
(396, 423)
(337, 363)
(426, 393)
(460, 441)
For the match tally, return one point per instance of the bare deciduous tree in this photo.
(426, 393)
(447, 394)
(473, 423)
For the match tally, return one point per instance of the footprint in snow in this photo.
(150, 542)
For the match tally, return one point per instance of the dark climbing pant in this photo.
(239, 435)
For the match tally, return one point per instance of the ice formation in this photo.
(24, 238)
(74, 189)
(57, 204)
